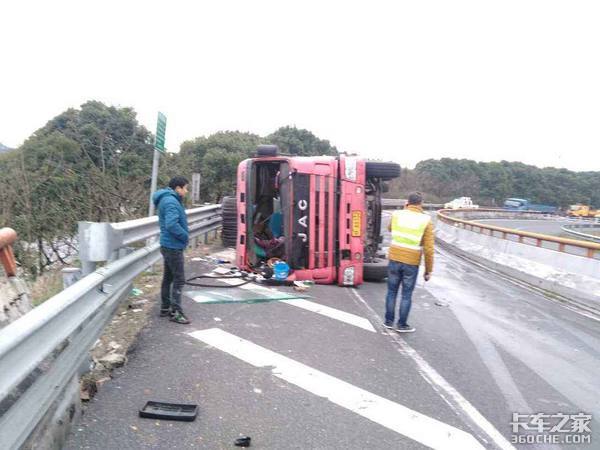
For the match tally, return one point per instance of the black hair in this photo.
(178, 182)
(415, 198)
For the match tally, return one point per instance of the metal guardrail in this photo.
(102, 241)
(43, 350)
(590, 249)
(571, 229)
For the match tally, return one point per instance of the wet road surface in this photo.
(303, 377)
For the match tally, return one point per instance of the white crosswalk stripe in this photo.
(394, 416)
(333, 313)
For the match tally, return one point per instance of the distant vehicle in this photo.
(461, 203)
(580, 210)
(521, 204)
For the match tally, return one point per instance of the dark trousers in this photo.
(173, 279)
(405, 275)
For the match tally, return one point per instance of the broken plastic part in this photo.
(169, 411)
(243, 441)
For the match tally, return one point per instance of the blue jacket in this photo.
(174, 231)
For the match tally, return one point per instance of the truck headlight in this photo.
(348, 276)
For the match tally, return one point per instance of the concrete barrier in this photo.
(573, 277)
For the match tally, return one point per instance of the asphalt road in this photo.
(550, 227)
(484, 348)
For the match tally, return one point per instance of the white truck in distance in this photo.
(460, 203)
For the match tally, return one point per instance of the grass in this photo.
(46, 286)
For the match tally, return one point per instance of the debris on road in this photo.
(137, 303)
(243, 441)
(302, 286)
(169, 411)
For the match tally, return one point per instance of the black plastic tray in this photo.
(169, 411)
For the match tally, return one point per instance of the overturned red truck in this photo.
(321, 215)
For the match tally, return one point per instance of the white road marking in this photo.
(394, 416)
(327, 311)
(333, 313)
(446, 390)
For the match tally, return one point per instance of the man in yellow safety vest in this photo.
(412, 235)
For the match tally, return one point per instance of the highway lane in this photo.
(550, 227)
(303, 379)
(499, 347)
(484, 348)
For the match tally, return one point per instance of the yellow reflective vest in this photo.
(408, 228)
(412, 235)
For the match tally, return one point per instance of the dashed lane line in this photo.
(332, 313)
(327, 311)
(394, 416)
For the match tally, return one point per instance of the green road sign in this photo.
(161, 128)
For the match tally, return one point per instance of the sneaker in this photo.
(389, 325)
(179, 317)
(165, 312)
(405, 329)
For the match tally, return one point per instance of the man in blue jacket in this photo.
(174, 237)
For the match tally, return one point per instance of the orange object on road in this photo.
(7, 237)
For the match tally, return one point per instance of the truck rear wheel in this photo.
(383, 170)
(375, 270)
(229, 233)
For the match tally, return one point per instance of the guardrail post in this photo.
(96, 244)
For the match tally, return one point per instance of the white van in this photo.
(461, 202)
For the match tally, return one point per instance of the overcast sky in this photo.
(398, 80)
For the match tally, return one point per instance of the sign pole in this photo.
(155, 162)
(159, 147)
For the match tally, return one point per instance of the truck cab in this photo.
(321, 215)
(521, 204)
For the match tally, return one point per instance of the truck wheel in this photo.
(376, 270)
(383, 170)
(267, 150)
(229, 233)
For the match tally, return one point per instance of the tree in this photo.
(88, 164)
(300, 142)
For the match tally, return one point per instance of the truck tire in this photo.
(376, 270)
(383, 170)
(267, 150)
(229, 232)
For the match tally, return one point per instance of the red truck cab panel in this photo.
(351, 220)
